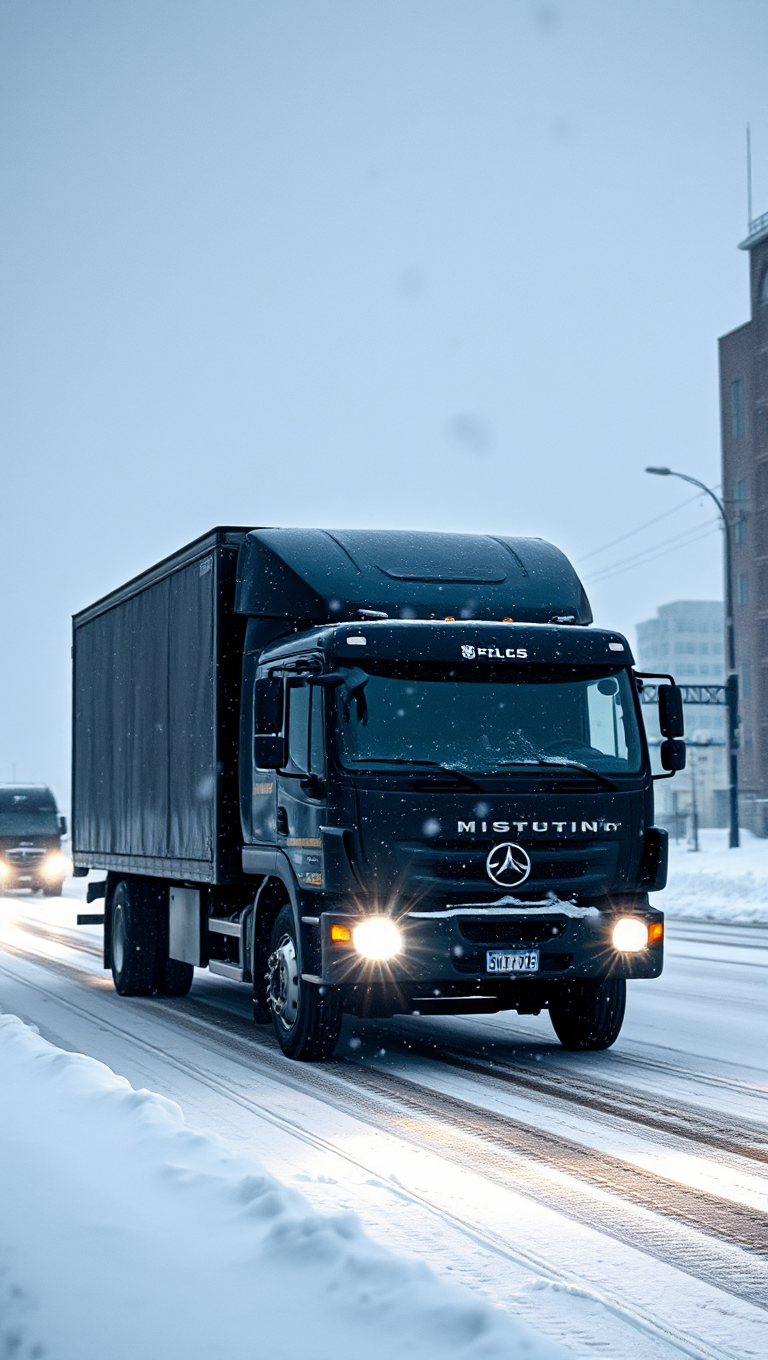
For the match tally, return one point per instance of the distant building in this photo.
(744, 420)
(686, 640)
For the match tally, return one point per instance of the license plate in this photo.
(512, 960)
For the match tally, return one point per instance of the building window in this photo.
(737, 408)
(762, 294)
(746, 681)
(740, 514)
(741, 591)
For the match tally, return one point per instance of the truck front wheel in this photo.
(588, 1014)
(135, 940)
(306, 1018)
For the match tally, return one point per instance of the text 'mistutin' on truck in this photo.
(369, 772)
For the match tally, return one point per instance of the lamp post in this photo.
(732, 681)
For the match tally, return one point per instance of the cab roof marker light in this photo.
(356, 641)
(615, 646)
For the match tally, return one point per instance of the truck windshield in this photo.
(489, 722)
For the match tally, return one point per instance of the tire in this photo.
(306, 1018)
(52, 890)
(173, 977)
(588, 1015)
(135, 940)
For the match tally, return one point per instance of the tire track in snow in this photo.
(556, 1278)
(702, 1234)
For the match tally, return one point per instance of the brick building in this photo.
(744, 420)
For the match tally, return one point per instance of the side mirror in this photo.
(62, 826)
(268, 707)
(270, 753)
(671, 721)
(672, 753)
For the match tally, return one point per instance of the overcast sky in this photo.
(428, 264)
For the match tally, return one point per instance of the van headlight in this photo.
(630, 935)
(57, 866)
(377, 938)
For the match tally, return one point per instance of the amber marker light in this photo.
(655, 932)
(377, 938)
(630, 935)
(341, 934)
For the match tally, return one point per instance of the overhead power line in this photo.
(646, 525)
(683, 540)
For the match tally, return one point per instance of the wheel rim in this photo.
(118, 939)
(283, 983)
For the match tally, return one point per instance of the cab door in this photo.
(301, 786)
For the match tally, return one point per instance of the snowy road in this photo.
(616, 1201)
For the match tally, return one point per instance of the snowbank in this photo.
(124, 1234)
(718, 884)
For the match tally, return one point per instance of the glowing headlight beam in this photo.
(377, 938)
(57, 866)
(630, 935)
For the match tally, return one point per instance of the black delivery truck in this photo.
(369, 772)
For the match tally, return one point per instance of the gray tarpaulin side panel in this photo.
(147, 827)
(191, 743)
(144, 721)
(155, 707)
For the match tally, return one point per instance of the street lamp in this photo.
(732, 682)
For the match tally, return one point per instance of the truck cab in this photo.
(466, 809)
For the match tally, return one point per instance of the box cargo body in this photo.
(156, 695)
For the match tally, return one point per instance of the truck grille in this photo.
(510, 932)
(590, 866)
(25, 856)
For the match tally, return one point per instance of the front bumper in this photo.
(445, 952)
(22, 878)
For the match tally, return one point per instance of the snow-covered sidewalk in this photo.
(123, 1233)
(715, 883)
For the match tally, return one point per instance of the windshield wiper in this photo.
(560, 763)
(426, 764)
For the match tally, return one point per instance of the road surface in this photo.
(617, 1201)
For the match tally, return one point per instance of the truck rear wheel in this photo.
(135, 940)
(306, 1018)
(588, 1014)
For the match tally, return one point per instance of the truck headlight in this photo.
(630, 935)
(377, 938)
(4, 870)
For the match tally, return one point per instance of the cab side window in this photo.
(306, 744)
(317, 733)
(298, 727)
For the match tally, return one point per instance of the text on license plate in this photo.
(512, 960)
